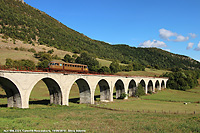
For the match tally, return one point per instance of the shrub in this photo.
(123, 95)
(114, 67)
(104, 69)
(140, 91)
(43, 64)
(50, 51)
(32, 50)
(16, 48)
(68, 58)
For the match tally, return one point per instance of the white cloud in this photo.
(181, 38)
(154, 43)
(166, 35)
(198, 47)
(190, 45)
(193, 35)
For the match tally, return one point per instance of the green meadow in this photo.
(162, 112)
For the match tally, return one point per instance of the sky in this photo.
(172, 25)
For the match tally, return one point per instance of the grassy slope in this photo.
(7, 50)
(104, 62)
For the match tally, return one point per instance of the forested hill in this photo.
(22, 22)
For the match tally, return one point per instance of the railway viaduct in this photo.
(19, 84)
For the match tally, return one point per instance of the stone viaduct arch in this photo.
(132, 88)
(105, 90)
(53, 87)
(12, 92)
(18, 86)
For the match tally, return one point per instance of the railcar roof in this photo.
(66, 63)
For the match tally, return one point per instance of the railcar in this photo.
(59, 66)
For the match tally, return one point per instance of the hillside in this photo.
(31, 26)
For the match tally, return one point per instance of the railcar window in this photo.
(56, 64)
(60, 64)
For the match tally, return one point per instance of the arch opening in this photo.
(46, 91)
(157, 86)
(162, 84)
(84, 92)
(119, 86)
(11, 92)
(132, 88)
(150, 87)
(143, 84)
(104, 90)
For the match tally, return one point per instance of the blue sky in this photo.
(172, 25)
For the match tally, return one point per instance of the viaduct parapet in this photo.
(19, 84)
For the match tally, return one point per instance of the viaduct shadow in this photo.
(41, 102)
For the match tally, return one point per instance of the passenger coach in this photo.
(59, 66)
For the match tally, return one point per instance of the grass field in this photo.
(107, 63)
(161, 112)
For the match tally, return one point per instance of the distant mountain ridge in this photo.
(20, 21)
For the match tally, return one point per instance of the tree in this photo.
(104, 69)
(140, 91)
(50, 51)
(127, 68)
(114, 67)
(25, 64)
(46, 56)
(28, 64)
(88, 60)
(9, 62)
(182, 80)
(43, 64)
(68, 58)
